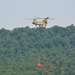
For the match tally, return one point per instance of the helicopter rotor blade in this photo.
(39, 18)
(51, 18)
(44, 18)
(36, 17)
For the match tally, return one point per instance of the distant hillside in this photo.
(22, 48)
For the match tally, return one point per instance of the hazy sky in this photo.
(13, 12)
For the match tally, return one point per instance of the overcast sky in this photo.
(13, 12)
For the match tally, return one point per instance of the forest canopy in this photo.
(21, 49)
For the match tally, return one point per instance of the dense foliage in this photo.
(22, 48)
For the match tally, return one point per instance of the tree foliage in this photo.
(22, 48)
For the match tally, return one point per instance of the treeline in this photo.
(21, 49)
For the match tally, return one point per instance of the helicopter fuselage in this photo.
(40, 23)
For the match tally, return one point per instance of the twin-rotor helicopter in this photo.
(42, 23)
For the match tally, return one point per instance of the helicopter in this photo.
(42, 23)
